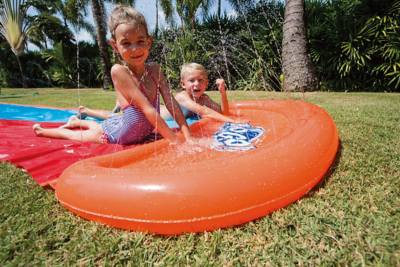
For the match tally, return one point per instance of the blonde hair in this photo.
(128, 15)
(193, 66)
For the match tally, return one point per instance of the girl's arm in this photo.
(171, 104)
(204, 111)
(128, 93)
(224, 107)
(224, 100)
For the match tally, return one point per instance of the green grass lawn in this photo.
(353, 218)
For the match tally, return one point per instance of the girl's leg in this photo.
(100, 114)
(92, 134)
(75, 122)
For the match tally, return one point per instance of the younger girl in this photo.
(137, 85)
(193, 101)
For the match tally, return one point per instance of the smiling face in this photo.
(194, 83)
(132, 43)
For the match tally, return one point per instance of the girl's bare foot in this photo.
(82, 113)
(69, 124)
(37, 128)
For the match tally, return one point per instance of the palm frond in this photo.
(13, 25)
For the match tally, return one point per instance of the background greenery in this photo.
(355, 46)
(352, 218)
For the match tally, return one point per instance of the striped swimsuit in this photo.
(132, 126)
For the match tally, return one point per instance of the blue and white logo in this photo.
(236, 137)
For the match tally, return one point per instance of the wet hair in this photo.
(193, 66)
(125, 15)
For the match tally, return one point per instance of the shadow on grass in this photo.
(12, 96)
(328, 174)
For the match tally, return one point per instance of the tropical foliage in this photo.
(355, 45)
(42, 71)
(245, 50)
(14, 28)
(60, 71)
(55, 19)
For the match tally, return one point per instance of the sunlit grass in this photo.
(351, 219)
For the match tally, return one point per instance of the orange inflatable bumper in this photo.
(171, 190)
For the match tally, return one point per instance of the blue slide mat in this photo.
(39, 114)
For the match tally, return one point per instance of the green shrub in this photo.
(244, 50)
(355, 45)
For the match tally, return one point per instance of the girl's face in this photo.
(132, 43)
(194, 83)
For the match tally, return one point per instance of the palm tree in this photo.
(47, 28)
(55, 15)
(298, 69)
(166, 6)
(238, 5)
(156, 29)
(74, 13)
(179, 7)
(192, 6)
(14, 28)
(99, 18)
(188, 8)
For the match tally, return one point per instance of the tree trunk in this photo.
(22, 73)
(156, 30)
(180, 16)
(219, 10)
(101, 32)
(298, 69)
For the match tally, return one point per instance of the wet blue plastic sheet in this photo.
(39, 114)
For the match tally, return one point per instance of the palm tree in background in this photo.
(45, 30)
(14, 28)
(191, 7)
(186, 10)
(240, 5)
(179, 7)
(54, 20)
(100, 23)
(71, 12)
(237, 5)
(167, 7)
(298, 69)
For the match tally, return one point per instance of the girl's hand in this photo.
(192, 140)
(221, 84)
(178, 141)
